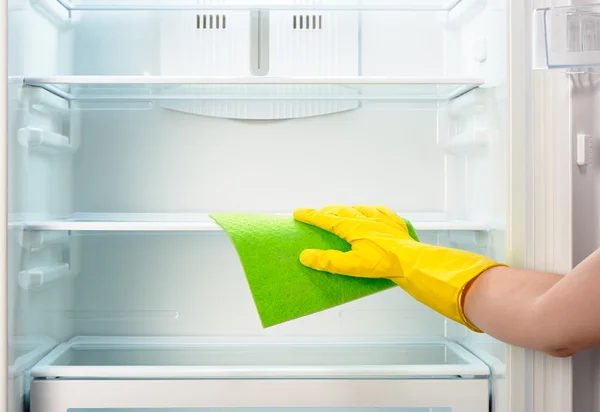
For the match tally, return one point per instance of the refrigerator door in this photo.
(585, 135)
(565, 146)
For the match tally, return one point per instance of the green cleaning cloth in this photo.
(282, 288)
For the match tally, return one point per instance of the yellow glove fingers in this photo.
(332, 261)
(385, 215)
(340, 226)
(341, 211)
(391, 215)
(316, 218)
(369, 211)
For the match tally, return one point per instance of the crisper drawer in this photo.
(183, 373)
(259, 395)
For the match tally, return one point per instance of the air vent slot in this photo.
(307, 22)
(211, 21)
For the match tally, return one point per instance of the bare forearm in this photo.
(543, 311)
(501, 302)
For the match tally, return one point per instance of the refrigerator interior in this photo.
(130, 121)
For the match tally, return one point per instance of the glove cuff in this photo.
(462, 282)
(441, 278)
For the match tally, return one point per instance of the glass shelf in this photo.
(194, 222)
(132, 5)
(566, 37)
(167, 88)
(173, 358)
(271, 409)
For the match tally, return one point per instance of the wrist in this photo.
(461, 305)
(467, 294)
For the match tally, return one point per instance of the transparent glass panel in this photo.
(357, 88)
(261, 4)
(194, 222)
(263, 410)
(263, 356)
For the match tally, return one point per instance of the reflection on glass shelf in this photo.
(201, 222)
(150, 88)
(122, 357)
(566, 37)
(400, 409)
(100, 5)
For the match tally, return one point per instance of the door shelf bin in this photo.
(101, 372)
(566, 37)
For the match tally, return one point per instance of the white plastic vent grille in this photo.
(318, 47)
(187, 48)
(211, 21)
(307, 22)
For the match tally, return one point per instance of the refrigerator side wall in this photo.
(36, 184)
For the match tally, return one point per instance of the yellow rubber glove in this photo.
(382, 248)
